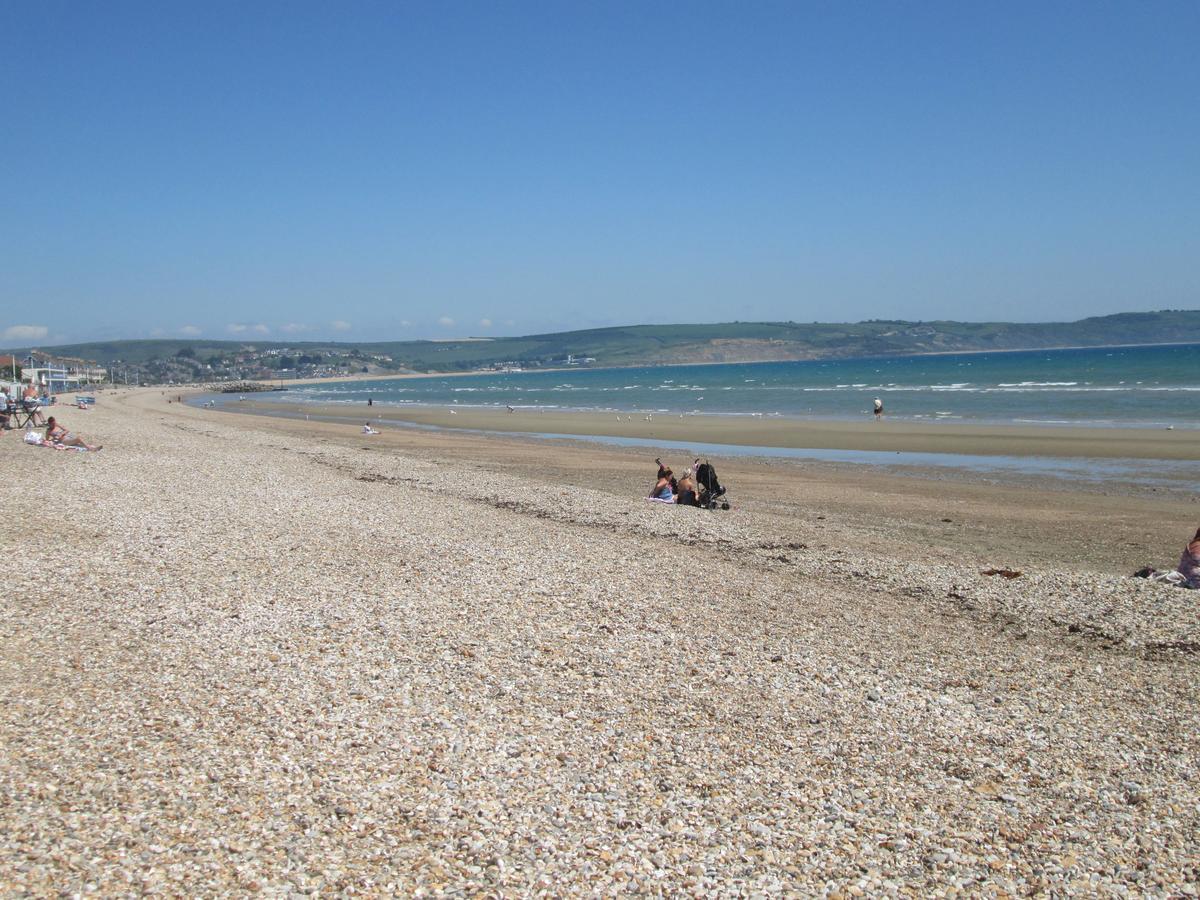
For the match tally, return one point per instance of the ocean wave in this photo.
(1026, 384)
(1060, 390)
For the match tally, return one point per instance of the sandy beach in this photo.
(245, 653)
(885, 435)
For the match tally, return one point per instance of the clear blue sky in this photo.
(390, 171)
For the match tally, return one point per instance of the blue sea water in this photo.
(1121, 386)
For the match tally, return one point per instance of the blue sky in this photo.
(393, 171)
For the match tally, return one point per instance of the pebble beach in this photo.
(241, 655)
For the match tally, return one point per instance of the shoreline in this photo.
(1051, 441)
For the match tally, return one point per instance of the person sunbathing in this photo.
(57, 434)
(686, 492)
(664, 487)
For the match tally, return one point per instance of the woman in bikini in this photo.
(57, 434)
(664, 488)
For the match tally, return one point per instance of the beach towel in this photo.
(36, 440)
(1176, 578)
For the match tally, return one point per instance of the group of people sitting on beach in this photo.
(690, 489)
(668, 489)
(56, 435)
(30, 402)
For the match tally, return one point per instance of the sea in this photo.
(1155, 386)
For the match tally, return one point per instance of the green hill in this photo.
(631, 345)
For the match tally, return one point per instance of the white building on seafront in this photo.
(56, 376)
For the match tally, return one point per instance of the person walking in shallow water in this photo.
(878, 409)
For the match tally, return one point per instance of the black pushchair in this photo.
(712, 494)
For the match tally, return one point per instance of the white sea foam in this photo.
(1037, 384)
(1059, 390)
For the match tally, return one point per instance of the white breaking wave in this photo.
(1027, 384)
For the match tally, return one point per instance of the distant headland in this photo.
(197, 359)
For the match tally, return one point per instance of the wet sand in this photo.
(884, 435)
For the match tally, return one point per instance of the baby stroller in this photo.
(712, 494)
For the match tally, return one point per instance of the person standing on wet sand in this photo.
(878, 409)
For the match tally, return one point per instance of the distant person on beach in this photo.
(367, 429)
(878, 409)
(370, 402)
(57, 434)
